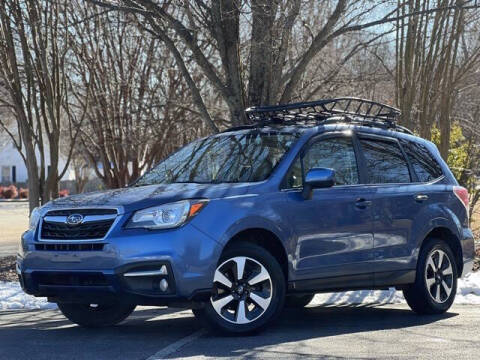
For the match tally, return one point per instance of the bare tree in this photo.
(136, 79)
(275, 72)
(137, 110)
(33, 52)
(429, 66)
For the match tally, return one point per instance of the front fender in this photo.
(256, 222)
(225, 218)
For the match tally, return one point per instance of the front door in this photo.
(334, 235)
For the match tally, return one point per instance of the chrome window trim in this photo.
(86, 218)
(47, 208)
(119, 210)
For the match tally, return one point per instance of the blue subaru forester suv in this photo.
(322, 196)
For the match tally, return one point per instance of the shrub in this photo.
(10, 192)
(63, 193)
(23, 193)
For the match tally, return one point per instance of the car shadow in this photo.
(315, 322)
(149, 330)
(47, 334)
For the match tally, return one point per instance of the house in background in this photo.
(13, 169)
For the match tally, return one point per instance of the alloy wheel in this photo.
(439, 276)
(242, 290)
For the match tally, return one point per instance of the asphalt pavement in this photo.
(340, 332)
(13, 222)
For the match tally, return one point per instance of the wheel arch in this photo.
(453, 241)
(266, 239)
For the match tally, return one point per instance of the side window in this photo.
(334, 153)
(385, 162)
(424, 164)
(294, 177)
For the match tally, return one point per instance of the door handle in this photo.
(362, 203)
(420, 197)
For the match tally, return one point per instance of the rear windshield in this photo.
(231, 158)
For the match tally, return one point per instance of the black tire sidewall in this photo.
(80, 314)
(278, 291)
(298, 301)
(433, 306)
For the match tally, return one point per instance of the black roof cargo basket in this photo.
(340, 110)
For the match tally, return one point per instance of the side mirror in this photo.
(317, 178)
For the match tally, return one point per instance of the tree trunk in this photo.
(32, 167)
(226, 30)
(261, 53)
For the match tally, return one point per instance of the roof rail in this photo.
(340, 110)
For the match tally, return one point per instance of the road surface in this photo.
(348, 332)
(13, 222)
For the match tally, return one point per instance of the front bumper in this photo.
(93, 275)
(106, 286)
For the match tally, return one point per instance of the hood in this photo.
(135, 198)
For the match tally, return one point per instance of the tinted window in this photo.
(385, 162)
(237, 157)
(423, 163)
(334, 153)
(294, 177)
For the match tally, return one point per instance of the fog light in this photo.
(163, 285)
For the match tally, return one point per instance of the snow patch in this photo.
(12, 297)
(468, 292)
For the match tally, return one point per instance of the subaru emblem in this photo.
(74, 219)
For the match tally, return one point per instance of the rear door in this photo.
(334, 228)
(398, 202)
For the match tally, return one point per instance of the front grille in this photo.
(69, 247)
(85, 231)
(96, 224)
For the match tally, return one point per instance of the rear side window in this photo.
(385, 162)
(424, 164)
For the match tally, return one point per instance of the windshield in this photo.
(244, 157)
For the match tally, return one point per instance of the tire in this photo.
(298, 301)
(101, 315)
(247, 303)
(435, 288)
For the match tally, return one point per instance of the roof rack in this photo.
(340, 110)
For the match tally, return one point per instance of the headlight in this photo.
(166, 216)
(34, 218)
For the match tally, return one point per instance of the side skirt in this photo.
(371, 281)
